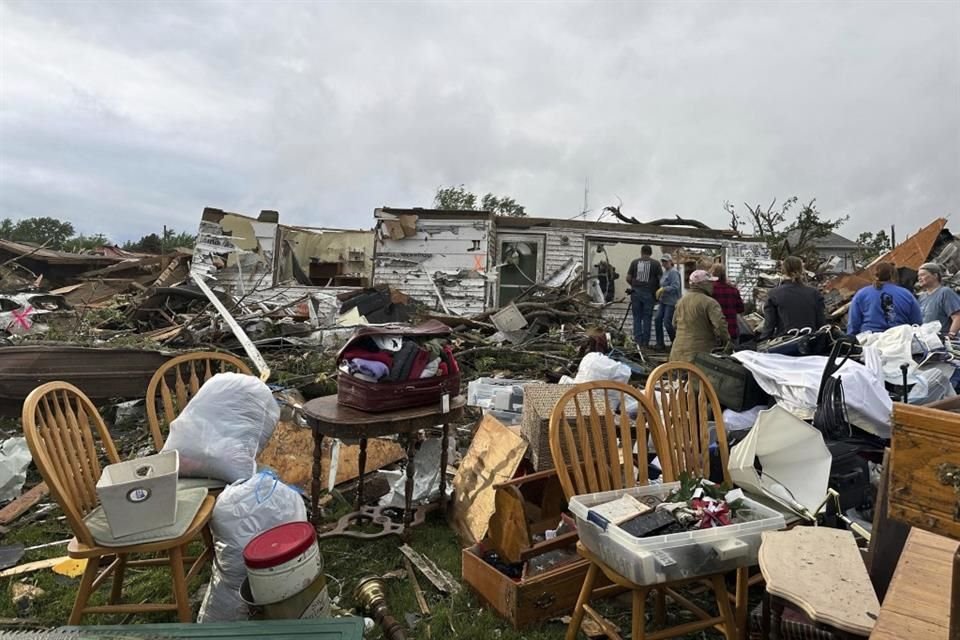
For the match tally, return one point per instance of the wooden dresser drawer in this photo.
(925, 469)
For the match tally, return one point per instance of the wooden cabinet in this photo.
(925, 469)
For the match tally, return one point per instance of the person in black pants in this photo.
(792, 304)
(644, 280)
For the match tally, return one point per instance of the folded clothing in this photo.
(403, 362)
(419, 364)
(431, 369)
(373, 368)
(366, 354)
(345, 368)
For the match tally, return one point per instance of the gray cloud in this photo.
(126, 116)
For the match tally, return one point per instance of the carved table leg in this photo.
(408, 489)
(315, 483)
(362, 464)
(444, 444)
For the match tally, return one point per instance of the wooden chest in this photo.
(532, 600)
(925, 469)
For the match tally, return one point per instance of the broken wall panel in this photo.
(449, 257)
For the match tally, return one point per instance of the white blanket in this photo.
(794, 383)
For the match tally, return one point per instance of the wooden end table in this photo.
(329, 419)
(820, 571)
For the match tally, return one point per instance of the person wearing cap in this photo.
(699, 320)
(884, 305)
(791, 304)
(937, 302)
(643, 276)
(667, 296)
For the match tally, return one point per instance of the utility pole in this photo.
(893, 236)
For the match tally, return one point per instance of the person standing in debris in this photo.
(643, 276)
(699, 320)
(729, 298)
(792, 304)
(667, 297)
(883, 305)
(937, 302)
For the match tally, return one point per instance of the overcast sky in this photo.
(124, 116)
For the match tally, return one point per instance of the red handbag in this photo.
(376, 397)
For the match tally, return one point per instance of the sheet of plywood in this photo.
(493, 457)
(290, 453)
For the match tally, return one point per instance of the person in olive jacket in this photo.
(701, 325)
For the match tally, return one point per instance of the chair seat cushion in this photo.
(188, 504)
(207, 483)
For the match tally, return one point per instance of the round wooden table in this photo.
(327, 418)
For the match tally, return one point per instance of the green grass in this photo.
(346, 562)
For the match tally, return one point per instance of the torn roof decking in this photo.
(50, 256)
(911, 253)
(532, 224)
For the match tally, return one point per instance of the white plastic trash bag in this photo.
(596, 366)
(14, 459)
(243, 511)
(224, 427)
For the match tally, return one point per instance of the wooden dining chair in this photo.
(179, 379)
(686, 402)
(68, 440)
(594, 450)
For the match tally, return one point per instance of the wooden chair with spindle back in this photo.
(186, 373)
(687, 401)
(70, 445)
(593, 448)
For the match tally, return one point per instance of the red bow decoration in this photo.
(22, 317)
(713, 513)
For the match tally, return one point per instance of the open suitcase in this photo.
(377, 397)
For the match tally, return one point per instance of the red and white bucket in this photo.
(282, 562)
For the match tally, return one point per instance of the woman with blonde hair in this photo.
(792, 304)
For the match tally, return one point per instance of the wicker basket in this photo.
(538, 403)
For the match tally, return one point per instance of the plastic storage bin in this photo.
(140, 495)
(656, 559)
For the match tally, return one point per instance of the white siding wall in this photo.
(451, 253)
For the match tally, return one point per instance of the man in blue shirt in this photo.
(884, 305)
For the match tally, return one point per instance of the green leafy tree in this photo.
(458, 198)
(81, 243)
(46, 231)
(872, 245)
(773, 225)
(153, 243)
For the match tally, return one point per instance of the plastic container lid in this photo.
(280, 544)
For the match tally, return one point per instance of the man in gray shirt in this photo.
(937, 302)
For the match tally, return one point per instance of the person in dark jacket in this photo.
(643, 276)
(792, 304)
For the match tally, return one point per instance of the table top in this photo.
(338, 421)
(917, 604)
(820, 570)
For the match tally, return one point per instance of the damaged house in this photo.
(468, 262)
